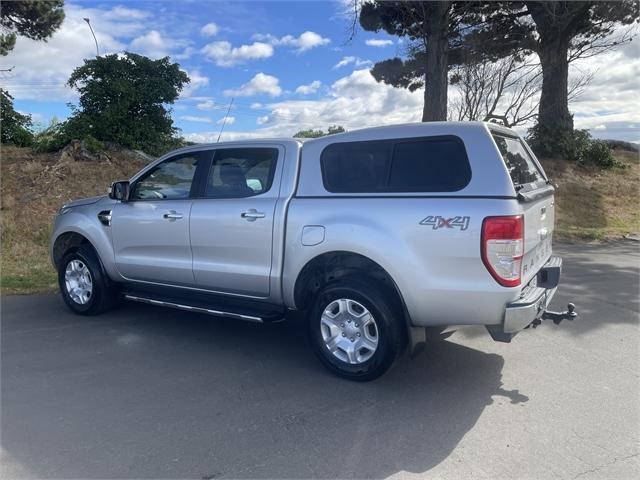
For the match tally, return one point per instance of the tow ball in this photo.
(557, 317)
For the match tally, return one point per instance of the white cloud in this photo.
(230, 120)
(210, 30)
(306, 41)
(374, 42)
(207, 105)
(354, 101)
(225, 55)
(609, 104)
(356, 61)
(42, 68)
(196, 119)
(154, 45)
(309, 89)
(260, 84)
(197, 82)
(119, 12)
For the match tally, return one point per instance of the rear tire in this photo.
(356, 329)
(83, 284)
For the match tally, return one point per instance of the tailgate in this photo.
(536, 198)
(538, 232)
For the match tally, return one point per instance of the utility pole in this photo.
(94, 36)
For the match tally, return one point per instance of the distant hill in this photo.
(622, 145)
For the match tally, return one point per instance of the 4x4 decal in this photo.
(436, 221)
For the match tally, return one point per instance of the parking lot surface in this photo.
(143, 392)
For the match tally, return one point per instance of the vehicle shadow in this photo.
(147, 392)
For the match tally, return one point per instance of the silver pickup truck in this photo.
(376, 235)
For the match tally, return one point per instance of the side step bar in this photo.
(191, 308)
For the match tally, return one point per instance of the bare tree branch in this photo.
(506, 91)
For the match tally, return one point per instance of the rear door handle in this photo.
(172, 215)
(252, 214)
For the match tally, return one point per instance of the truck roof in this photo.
(425, 128)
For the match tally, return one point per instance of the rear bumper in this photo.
(532, 304)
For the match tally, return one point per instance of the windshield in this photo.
(522, 168)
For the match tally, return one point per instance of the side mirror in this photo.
(119, 191)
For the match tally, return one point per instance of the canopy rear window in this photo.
(520, 164)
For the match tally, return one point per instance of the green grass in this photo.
(25, 261)
(31, 278)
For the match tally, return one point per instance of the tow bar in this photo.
(556, 317)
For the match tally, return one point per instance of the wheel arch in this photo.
(64, 243)
(332, 265)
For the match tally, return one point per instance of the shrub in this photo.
(598, 153)
(576, 146)
(92, 144)
(51, 138)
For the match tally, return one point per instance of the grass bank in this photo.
(33, 187)
(591, 205)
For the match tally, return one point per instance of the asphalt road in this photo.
(145, 392)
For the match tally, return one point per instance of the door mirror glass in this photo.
(119, 191)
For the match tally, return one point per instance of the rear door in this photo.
(231, 225)
(536, 198)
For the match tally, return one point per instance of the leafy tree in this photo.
(35, 19)
(558, 32)
(123, 99)
(319, 133)
(15, 128)
(437, 32)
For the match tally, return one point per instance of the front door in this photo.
(232, 226)
(151, 230)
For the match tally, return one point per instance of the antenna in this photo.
(224, 122)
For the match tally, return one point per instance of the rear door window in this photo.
(521, 166)
(241, 172)
(425, 164)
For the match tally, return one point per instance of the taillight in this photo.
(503, 247)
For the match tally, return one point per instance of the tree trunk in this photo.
(437, 67)
(554, 105)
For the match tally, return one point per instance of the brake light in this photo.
(502, 248)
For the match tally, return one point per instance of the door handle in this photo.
(251, 215)
(172, 215)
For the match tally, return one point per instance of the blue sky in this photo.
(288, 65)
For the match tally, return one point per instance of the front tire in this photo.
(84, 287)
(356, 329)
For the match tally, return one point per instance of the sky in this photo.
(288, 65)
